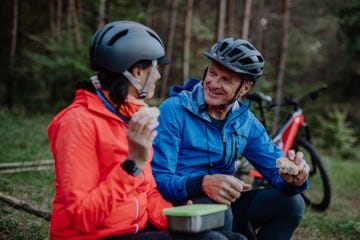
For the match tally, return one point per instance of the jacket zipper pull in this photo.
(209, 167)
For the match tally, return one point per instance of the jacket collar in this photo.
(95, 104)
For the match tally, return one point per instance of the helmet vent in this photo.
(102, 35)
(156, 37)
(223, 46)
(117, 37)
(245, 61)
(249, 46)
(254, 71)
(260, 59)
(234, 52)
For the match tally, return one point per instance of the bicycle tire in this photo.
(318, 196)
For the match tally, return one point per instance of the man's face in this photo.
(220, 85)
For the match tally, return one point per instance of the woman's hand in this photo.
(141, 134)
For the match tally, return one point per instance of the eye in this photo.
(227, 80)
(211, 72)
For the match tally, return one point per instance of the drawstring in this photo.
(207, 149)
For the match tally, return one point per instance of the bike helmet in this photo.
(118, 45)
(239, 56)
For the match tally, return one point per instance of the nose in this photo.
(157, 74)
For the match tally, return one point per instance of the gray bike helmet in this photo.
(239, 56)
(118, 45)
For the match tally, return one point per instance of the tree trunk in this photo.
(150, 13)
(19, 204)
(101, 18)
(187, 38)
(75, 23)
(169, 47)
(221, 19)
(266, 22)
(246, 20)
(282, 58)
(9, 83)
(58, 20)
(52, 18)
(231, 18)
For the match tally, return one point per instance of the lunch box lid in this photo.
(194, 210)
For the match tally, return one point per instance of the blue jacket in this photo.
(188, 146)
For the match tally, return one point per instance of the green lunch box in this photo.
(196, 217)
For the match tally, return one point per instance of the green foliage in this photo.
(336, 135)
(55, 69)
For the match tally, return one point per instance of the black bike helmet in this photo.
(118, 45)
(239, 56)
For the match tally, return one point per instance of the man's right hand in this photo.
(223, 188)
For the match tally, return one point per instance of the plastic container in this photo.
(195, 218)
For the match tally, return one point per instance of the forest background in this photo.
(305, 43)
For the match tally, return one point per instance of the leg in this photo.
(273, 213)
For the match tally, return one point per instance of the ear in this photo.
(137, 73)
(247, 86)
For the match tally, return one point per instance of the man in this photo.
(204, 128)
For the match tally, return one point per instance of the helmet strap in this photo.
(223, 106)
(142, 91)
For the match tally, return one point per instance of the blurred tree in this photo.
(221, 20)
(246, 20)
(187, 40)
(169, 46)
(282, 61)
(53, 36)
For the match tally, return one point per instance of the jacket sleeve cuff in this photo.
(194, 186)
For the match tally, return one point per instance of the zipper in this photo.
(136, 213)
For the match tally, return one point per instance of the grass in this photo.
(24, 138)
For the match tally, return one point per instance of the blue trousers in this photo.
(263, 214)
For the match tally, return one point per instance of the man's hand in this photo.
(223, 188)
(303, 174)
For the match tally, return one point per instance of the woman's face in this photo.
(220, 85)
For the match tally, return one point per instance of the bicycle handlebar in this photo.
(260, 97)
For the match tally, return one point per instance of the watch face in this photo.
(130, 167)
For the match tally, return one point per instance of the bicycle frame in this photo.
(285, 136)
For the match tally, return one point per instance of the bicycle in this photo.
(287, 137)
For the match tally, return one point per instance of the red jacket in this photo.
(94, 196)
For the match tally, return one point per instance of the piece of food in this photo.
(289, 166)
(152, 113)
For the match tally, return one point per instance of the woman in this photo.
(102, 144)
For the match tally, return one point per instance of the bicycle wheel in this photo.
(318, 196)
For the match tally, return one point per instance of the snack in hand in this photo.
(152, 112)
(288, 166)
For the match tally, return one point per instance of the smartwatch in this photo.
(130, 167)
